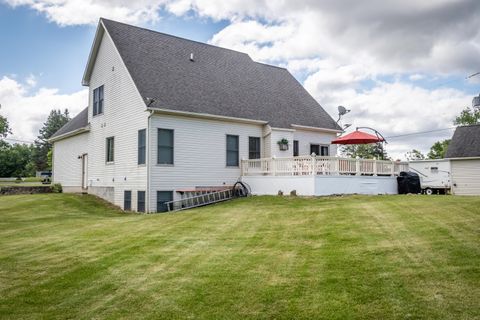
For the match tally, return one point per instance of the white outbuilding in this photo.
(464, 155)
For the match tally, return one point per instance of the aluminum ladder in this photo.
(200, 200)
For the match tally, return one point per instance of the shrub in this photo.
(56, 188)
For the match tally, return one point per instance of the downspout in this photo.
(148, 159)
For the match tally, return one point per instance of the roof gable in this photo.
(80, 121)
(218, 81)
(465, 142)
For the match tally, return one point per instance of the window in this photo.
(253, 148)
(434, 169)
(110, 149)
(324, 151)
(127, 200)
(142, 146)
(98, 101)
(162, 197)
(295, 148)
(319, 150)
(232, 151)
(165, 146)
(141, 201)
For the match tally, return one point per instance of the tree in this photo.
(414, 155)
(365, 151)
(438, 150)
(4, 128)
(16, 160)
(56, 119)
(468, 116)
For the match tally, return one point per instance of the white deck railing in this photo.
(308, 165)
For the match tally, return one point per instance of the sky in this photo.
(400, 66)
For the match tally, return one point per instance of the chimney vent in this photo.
(191, 57)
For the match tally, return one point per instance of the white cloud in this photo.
(342, 48)
(396, 109)
(27, 112)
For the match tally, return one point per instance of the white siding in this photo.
(124, 114)
(199, 153)
(466, 177)
(305, 138)
(67, 167)
(277, 135)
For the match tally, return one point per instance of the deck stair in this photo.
(207, 198)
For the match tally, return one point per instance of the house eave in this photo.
(93, 53)
(205, 116)
(297, 126)
(70, 134)
(463, 158)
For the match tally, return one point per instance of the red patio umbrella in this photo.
(358, 137)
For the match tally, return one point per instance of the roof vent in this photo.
(191, 57)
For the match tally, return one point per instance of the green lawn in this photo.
(380, 257)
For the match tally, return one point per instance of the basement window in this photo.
(141, 201)
(162, 198)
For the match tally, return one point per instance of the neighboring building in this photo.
(166, 115)
(464, 154)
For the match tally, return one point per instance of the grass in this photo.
(381, 257)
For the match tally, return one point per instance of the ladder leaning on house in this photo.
(238, 190)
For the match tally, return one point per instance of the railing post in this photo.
(242, 167)
(392, 168)
(274, 166)
(314, 164)
(357, 166)
(374, 166)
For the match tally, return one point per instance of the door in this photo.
(85, 171)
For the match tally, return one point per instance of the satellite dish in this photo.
(342, 110)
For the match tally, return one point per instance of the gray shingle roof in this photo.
(465, 142)
(78, 122)
(219, 81)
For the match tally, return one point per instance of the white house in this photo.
(168, 115)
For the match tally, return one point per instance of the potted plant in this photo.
(283, 144)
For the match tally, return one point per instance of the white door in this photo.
(466, 177)
(85, 171)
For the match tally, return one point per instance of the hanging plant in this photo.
(283, 144)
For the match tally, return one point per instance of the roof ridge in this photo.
(177, 37)
(469, 125)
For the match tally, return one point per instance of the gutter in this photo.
(70, 134)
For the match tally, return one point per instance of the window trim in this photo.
(144, 150)
(259, 147)
(107, 151)
(144, 201)
(172, 197)
(173, 148)
(238, 151)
